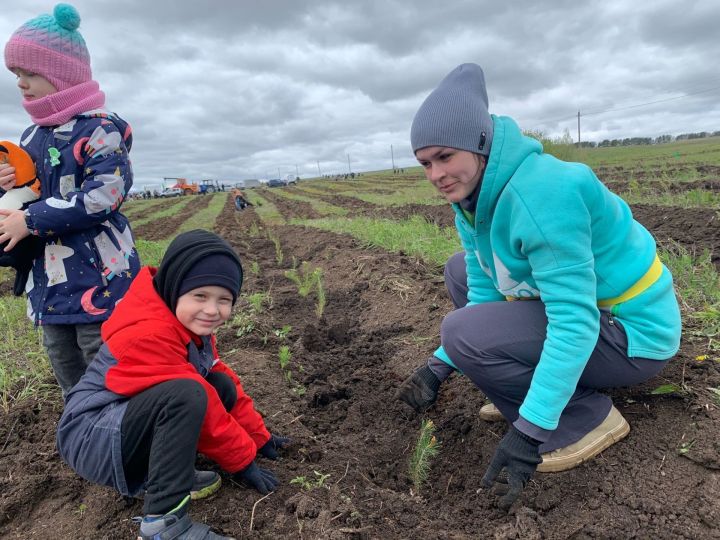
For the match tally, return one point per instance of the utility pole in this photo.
(349, 169)
(279, 175)
(318, 164)
(578, 129)
(297, 172)
(392, 157)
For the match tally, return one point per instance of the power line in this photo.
(635, 106)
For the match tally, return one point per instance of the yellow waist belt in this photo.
(644, 283)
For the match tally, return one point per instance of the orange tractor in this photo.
(189, 188)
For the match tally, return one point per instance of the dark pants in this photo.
(498, 345)
(71, 348)
(160, 432)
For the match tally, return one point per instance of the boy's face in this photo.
(204, 309)
(33, 86)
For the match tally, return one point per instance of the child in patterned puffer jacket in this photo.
(80, 150)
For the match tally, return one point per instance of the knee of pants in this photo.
(458, 335)
(225, 388)
(188, 395)
(456, 279)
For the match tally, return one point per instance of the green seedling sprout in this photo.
(320, 306)
(284, 355)
(427, 447)
(255, 268)
(309, 484)
(283, 332)
(279, 255)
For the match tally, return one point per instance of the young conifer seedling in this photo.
(427, 447)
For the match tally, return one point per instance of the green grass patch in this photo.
(698, 287)
(205, 218)
(695, 198)
(415, 236)
(24, 366)
(321, 207)
(151, 251)
(266, 210)
(172, 207)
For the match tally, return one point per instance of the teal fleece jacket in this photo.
(550, 230)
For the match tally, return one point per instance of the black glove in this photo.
(261, 479)
(270, 448)
(21, 258)
(420, 389)
(519, 455)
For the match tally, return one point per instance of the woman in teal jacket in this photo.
(537, 228)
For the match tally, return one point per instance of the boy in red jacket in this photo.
(157, 393)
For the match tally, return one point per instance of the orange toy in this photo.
(27, 184)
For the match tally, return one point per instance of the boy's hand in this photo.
(270, 448)
(7, 176)
(12, 228)
(261, 479)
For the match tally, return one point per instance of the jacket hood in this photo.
(509, 149)
(122, 126)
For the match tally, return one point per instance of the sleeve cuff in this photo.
(531, 430)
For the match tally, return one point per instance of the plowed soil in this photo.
(381, 320)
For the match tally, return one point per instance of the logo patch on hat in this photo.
(483, 138)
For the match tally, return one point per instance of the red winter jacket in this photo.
(144, 345)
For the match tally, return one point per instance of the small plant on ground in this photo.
(279, 255)
(427, 447)
(284, 357)
(309, 484)
(308, 280)
(283, 332)
(255, 268)
(258, 300)
(320, 306)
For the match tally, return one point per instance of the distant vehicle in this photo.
(275, 182)
(189, 188)
(290, 179)
(172, 192)
(210, 186)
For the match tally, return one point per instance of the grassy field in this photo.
(697, 280)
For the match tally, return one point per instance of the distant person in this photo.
(241, 201)
(599, 309)
(157, 393)
(88, 256)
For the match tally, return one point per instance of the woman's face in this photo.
(454, 173)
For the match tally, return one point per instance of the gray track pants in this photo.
(71, 348)
(497, 345)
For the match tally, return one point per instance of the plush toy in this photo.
(27, 184)
(27, 189)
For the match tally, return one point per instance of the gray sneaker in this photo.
(176, 525)
(205, 484)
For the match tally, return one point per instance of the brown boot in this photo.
(490, 413)
(613, 429)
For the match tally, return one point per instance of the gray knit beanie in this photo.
(455, 114)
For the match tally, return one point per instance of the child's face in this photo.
(33, 86)
(204, 309)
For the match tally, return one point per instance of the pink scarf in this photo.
(58, 108)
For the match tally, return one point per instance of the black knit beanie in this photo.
(195, 259)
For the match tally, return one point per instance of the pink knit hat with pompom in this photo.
(51, 46)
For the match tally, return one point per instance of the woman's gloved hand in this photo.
(270, 448)
(261, 479)
(420, 389)
(519, 455)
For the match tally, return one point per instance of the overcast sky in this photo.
(240, 89)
